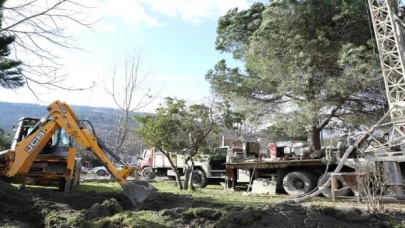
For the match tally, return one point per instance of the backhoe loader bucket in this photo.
(137, 192)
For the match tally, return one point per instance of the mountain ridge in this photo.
(102, 117)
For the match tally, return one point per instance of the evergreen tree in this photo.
(313, 56)
(10, 70)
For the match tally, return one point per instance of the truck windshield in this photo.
(220, 152)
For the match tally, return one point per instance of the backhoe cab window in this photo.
(63, 140)
(63, 137)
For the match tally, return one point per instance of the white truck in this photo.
(205, 169)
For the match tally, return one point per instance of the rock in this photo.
(340, 216)
(355, 217)
(209, 214)
(97, 211)
(174, 213)
(112, 205)
(310, 222)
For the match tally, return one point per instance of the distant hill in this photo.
(103, 119)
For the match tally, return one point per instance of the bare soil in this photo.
(30, 207)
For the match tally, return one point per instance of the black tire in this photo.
(148, 173)
(101, 172)
(299, 183)
(341, 184)
(199, 179)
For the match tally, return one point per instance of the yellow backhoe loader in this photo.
(44, 152)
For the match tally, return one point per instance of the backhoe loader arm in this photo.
(22, 157)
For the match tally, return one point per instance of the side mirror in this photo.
(14, 128)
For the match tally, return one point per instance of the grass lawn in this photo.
(212, 193)
(216, 194)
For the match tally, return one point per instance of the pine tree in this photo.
(10, 70)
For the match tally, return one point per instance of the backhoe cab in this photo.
(51, 166)
(42, 150)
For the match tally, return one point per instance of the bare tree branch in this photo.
(127, 90)
(39, 27)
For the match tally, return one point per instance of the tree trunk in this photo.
(174, 168)
(178, 180)
(122, 134)
(314, 138)
(186, 173)
(192, 174)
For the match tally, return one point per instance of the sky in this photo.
(178, 36)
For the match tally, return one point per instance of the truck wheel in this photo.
(148, 173)
(199, 179)
(299, 183)
(341, 184)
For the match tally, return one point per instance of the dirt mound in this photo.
(278, 216)
(38, 207)
(32, 205)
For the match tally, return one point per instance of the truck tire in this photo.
(199, 179)
(341, 184)
(299, 183)
(148, 173)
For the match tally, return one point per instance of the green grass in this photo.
(216, 194)
(55, 219)
(98, 187)
(212, 193)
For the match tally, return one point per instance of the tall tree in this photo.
(10, 70)
(5, 140)
(131, 92)
(184, 130)
(315, 56)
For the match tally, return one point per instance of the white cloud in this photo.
(130, 12)
(194, 10)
